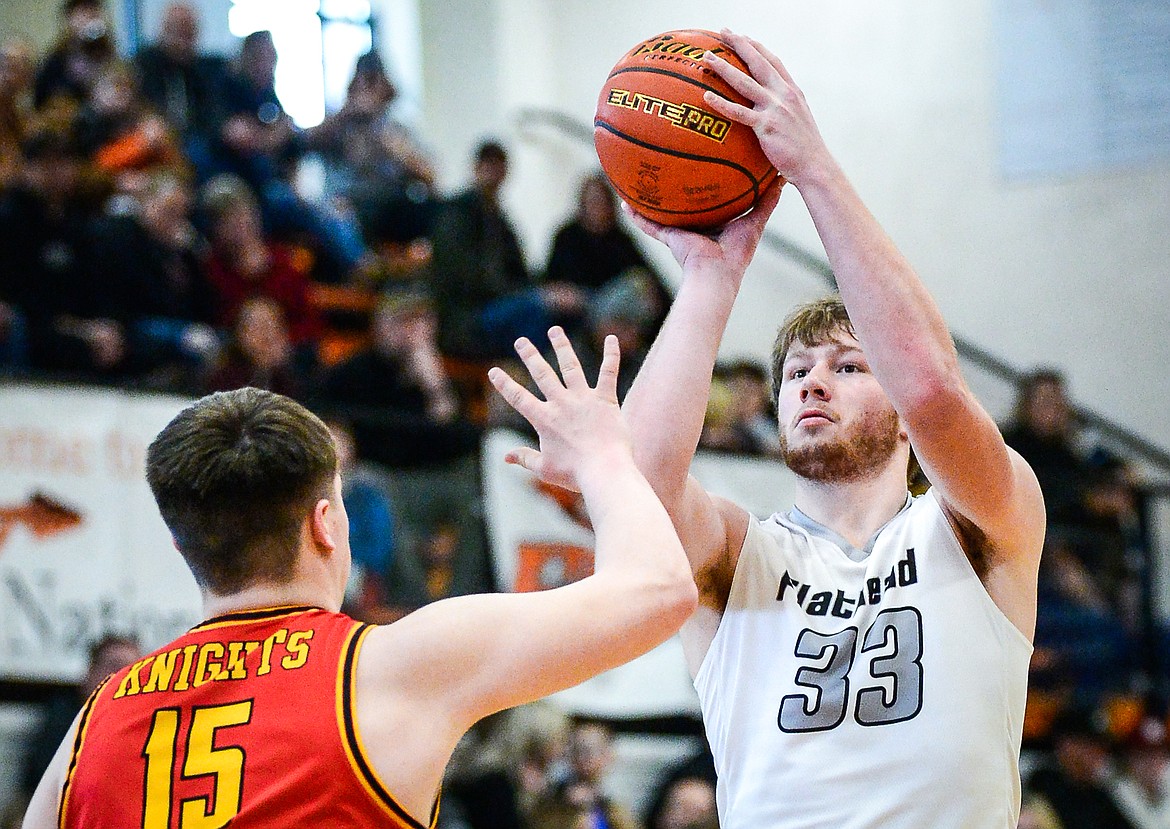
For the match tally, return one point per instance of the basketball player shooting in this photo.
(861, 659)
(280, 711)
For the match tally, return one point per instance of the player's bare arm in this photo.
(990, 493)
(426, 679)
(675, 379)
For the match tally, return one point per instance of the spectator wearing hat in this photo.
(626, 307)
(1141, 787)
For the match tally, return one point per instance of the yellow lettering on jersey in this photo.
(161, 672)
(266, 652)
(184, 681)
(131, 683)
(205, 669)
(298, 650)
(235, 668)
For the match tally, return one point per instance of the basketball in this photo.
(666, 152)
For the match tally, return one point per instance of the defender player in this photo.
(861, 659)
(278, 710)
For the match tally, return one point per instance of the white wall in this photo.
(1069, 272)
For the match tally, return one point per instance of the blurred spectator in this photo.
(84, 47)
(484, 294)
(689, 803)
(371, 528)
(1142, 786)
(244, 263)
(625, 307)
(108, 654)
(1076, 784)
(580, 799)
(426, 571)
(740, 417)
(1036, 813)
(17, 66)
(1083, 650)
(543, 745)
(1104, 531)
(396, 392)
(150, 260)
(258, 141)
(118, 133)
(372, 162)
(593, 248)
(479, 786)
(698, 767)
(1043, 432)
(46, 244)
(719, 433)
(180, 83)
(259, 353)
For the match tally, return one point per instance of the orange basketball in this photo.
(666, 152)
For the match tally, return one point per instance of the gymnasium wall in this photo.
(1068, 271)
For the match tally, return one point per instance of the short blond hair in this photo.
(811, 324)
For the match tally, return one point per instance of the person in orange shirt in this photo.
(278, 710)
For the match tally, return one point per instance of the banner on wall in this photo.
(540, 538)
(83, 550)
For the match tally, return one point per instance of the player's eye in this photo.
(850, 368)
(798, 373)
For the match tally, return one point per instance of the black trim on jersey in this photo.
(78, 738)
(255, 615)
(355, 750)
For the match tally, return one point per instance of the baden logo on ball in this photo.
(666, 152)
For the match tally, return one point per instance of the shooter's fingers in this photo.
(736, 112)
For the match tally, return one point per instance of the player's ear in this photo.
(319, 526)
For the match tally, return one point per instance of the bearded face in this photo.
(851, 453)
(836, 423)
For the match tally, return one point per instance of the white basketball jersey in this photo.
(878, 688)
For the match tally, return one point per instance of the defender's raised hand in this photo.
(581, 428)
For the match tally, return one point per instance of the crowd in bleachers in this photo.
(152, 236)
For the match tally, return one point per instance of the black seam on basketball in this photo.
(668, 73)
(677, 153)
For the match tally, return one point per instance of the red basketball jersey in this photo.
(247, 719)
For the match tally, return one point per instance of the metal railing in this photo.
(1133, 444)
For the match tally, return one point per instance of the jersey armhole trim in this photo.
(352, 742)
(78, 742)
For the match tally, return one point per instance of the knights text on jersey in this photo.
(245, 720)
(882, 689)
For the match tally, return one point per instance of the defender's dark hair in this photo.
(235, 474)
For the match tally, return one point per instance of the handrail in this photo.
(1108, 429)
